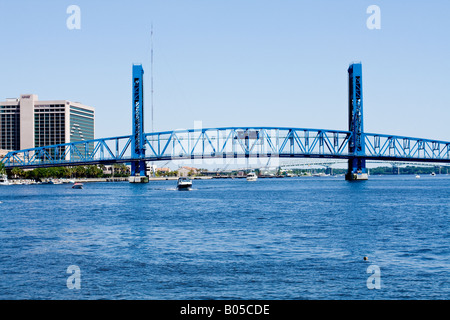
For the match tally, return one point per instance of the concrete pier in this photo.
(138, 179)
(356, 176)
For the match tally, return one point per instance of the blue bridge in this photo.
(355, 145)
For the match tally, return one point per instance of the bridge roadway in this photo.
(232, 142)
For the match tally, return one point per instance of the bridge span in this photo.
(232, 142)
(354, 145)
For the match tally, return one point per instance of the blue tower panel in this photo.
(138, 168)
(356, 165)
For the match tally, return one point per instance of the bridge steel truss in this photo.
(399, 148)
(232, 142)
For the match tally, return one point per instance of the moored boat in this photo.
(4, 180)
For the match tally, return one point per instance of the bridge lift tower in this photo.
(356, 165)
(138, 167)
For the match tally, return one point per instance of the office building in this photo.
(27, 122)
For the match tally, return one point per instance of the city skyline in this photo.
(235, 64)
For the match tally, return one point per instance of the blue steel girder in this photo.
(232, 142)
(71, 154)
(246, 142)
(385, 147)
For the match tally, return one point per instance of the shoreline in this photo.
(125, 179)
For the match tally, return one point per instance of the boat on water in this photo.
(184, 183)
(252, 176)
(417, 177)
(77, 185)
(433, 174)
(4, 180)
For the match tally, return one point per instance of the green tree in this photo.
(121, 170)
(31, 174)
(94, 172)
(80, 172)
(17, 172)
(2, 168)
(68, 171)
(41, 173)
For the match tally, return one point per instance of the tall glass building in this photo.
(28, 123)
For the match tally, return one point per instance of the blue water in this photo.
(292, 238)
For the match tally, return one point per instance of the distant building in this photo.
(186, 171)
(117, 169)
(153, 169)
(3, 153)
(107, 169)
(27, 122)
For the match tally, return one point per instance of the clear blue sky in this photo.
(235, 63)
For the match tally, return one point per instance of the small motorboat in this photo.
(184, 183)
(252, 176)
(417, 177)
(77, 185)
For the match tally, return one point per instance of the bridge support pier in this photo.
(357, 170)
(357, 165)
(138, 179)
(138, 172)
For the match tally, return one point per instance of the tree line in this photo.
(91, 171)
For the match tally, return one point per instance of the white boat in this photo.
(252, 176)
(417, 177)
(433, 174)
(184, 183)
(4, 180)
(77, 185)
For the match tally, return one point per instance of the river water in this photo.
(290, 238)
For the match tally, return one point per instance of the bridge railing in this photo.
(385, 147)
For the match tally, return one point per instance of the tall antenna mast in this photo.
(151, 87)
(151, 82)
